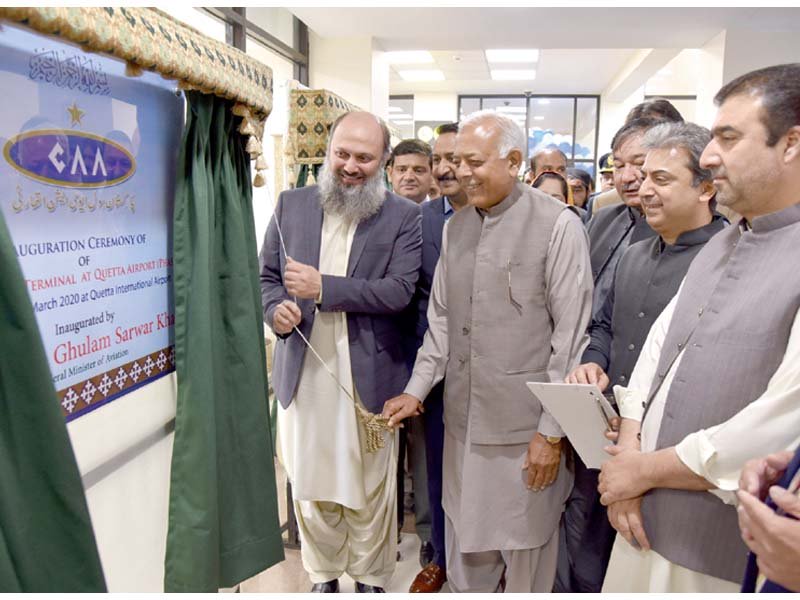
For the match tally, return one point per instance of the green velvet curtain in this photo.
(223, 512)
(46, 538)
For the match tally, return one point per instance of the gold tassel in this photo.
(375, 426)
(132, 70)
(310, 180)
(252, 146)
(261, 163)
(246, 128)
(240, 110)
(259, 180)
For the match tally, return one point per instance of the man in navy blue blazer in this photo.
(339, 263)
(435, 214)
(769, 513)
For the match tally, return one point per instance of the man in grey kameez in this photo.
(510, 302)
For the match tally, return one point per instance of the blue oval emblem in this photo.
(69, 158)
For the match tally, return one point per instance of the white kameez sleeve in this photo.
(568, 277)
(431, 363)
(631, 399)
(766, 425)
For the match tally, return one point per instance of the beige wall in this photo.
(435, 107)
(343, 66)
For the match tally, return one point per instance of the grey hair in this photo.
(690, 137)
(511, 135)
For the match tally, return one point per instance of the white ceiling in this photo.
(590, 70)
(582, 49)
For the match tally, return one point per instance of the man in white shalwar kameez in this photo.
(352, 251)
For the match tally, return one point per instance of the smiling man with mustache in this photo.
(614, 228)
(435, 213)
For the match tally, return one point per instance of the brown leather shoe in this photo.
(428, 581)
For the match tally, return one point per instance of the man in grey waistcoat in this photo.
(677, 197)
(716, 382)
(510, 302)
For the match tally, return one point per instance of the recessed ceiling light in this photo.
(404, 122)
(395, 109)
(511, 109)
(543, 101)
(409, 57)
(396, 116)
(422, 75)
(513, 74)
(538, 118)
(512, 56)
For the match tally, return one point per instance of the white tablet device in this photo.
(583, 413)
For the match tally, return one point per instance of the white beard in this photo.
(354, 203)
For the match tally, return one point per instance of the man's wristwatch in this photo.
(552, 440)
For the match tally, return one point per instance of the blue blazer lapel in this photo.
(314, 227)
(438, 224)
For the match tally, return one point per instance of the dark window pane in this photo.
(469, 106)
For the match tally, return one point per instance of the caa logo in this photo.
(69, 158)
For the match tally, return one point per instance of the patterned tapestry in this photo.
(148, 39)
(311, 115)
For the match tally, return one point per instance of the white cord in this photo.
(300, 333)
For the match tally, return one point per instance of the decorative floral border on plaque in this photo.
(89, 394)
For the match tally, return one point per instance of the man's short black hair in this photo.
(411, 146)
(446, 128)
(583, 176)
(635, 127)
(779, 89)
(655, 108)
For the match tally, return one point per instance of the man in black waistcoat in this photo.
(616, 227)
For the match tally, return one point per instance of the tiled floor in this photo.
(289, 576)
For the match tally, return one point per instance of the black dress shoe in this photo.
(425, 554)
(326, 587)
(363, 588)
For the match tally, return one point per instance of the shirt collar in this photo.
(495, 211)
(702, 234)
(447, 207)
(776, 220)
